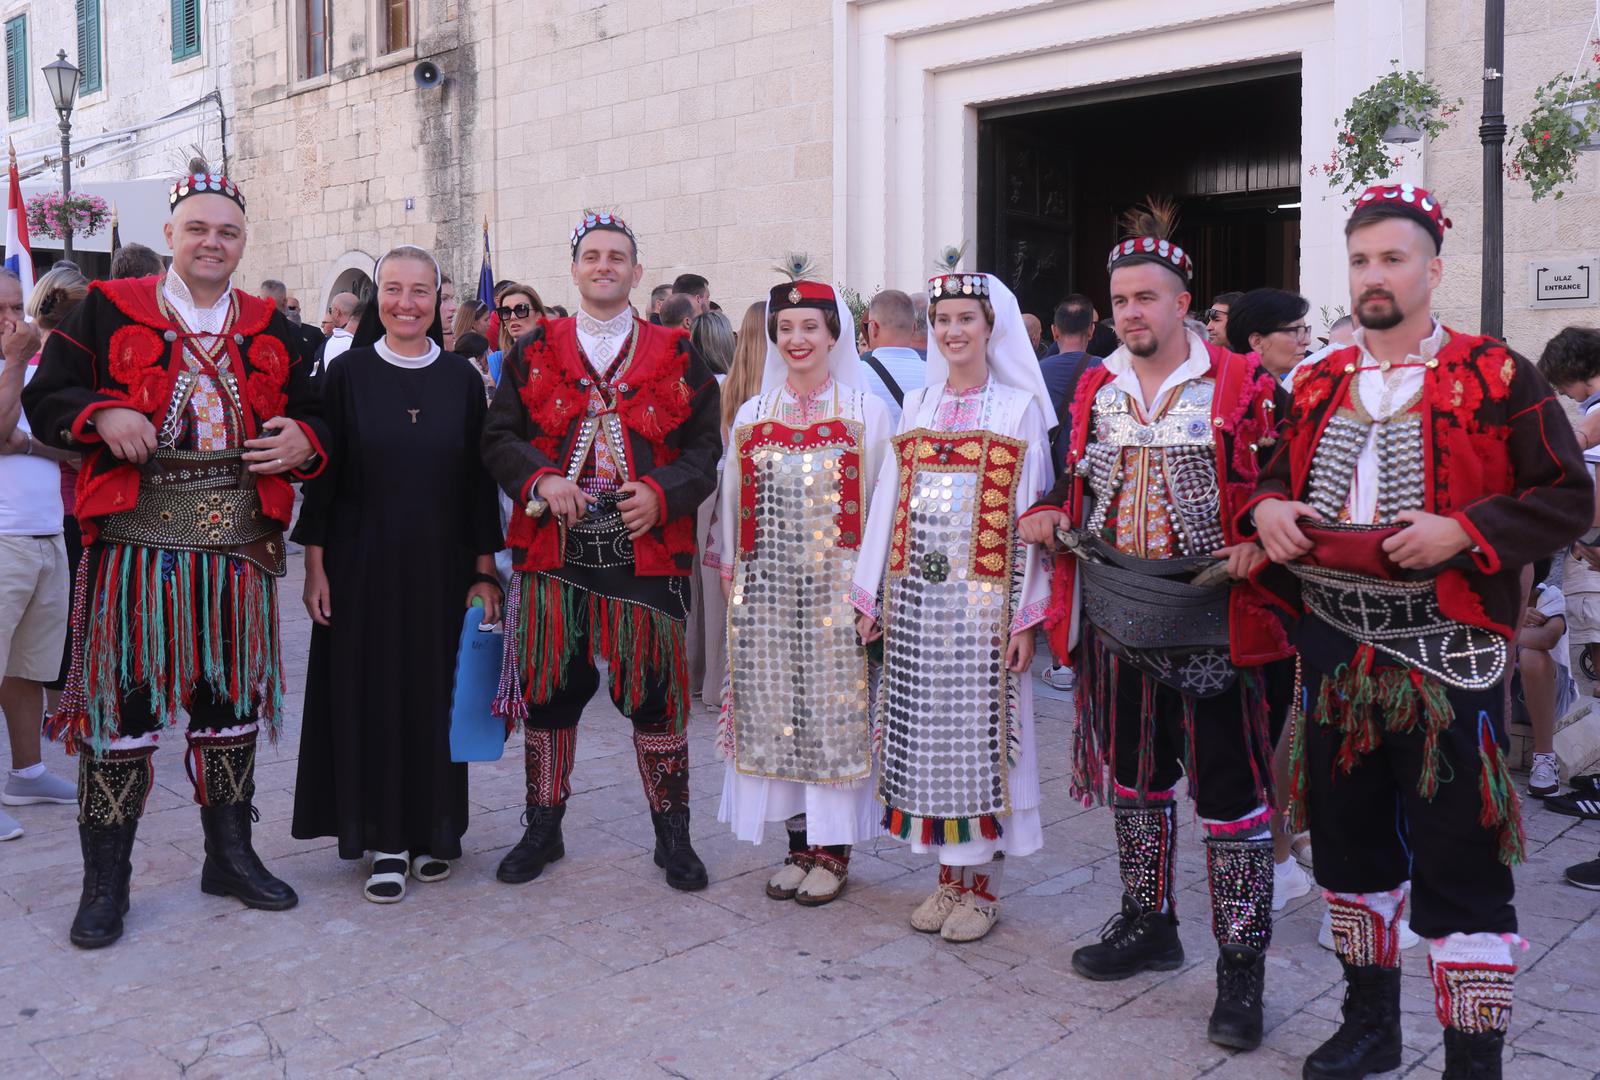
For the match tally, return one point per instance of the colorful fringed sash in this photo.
(164, 620)
(549, 616)
(1362, 704)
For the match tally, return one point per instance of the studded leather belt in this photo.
(191, 500)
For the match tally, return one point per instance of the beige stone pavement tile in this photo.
(1092, 1054)
(842, 1065)
(1014, 1023)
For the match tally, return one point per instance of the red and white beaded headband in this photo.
(1154, 250)
(592, 221)
(1408, 200)
(203, 184)
(958, 287)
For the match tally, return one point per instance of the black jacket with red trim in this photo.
(669, 405)
(1499, 456)
(112, 352)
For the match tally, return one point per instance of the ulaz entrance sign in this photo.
(1563, 283)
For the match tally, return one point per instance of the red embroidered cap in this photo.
(802, 294)
(1139, 249)
(1410, 201)
(203, 184)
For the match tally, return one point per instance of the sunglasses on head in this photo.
(1213, 314)
(516, 311)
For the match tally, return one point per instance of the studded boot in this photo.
(1240, 872)
(1143, 936)
(112, 788)
(223, 768)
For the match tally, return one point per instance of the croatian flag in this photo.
(19, 256)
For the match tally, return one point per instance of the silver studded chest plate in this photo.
(798, 675)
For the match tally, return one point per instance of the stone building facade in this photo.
(731, 132)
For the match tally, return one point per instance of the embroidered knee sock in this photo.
(222, 765)
(1146, 843)
(114, 784)
(1239, 869)
(548, 756)
(664, 768)
(1472, 977)
(796, 828)
(1364, 927)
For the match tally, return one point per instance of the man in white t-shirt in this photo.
(33, 571)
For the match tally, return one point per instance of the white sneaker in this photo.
(1289, 880)
(10, 827)
(44, 788)
(1060, 677)
(1544, 779)
(1408, 936)
(1325, 931)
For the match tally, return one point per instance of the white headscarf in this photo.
(1012, 360)
(843, 362)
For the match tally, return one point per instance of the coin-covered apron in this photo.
(946, 697)
(798, 703)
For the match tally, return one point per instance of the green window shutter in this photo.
(89, 45)
(17, 67)
(185, 29)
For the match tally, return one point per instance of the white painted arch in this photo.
(354, 259)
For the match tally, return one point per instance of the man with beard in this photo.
(1161, 456)
(605, 431)
(1421, 470)
(182, 396)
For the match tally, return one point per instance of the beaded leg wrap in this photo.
(113, 785)
(1146, 846)
(1472, 978)
(1241, 891)
(1365, 927)
(222, 767)
(664, 768)
(548, 755)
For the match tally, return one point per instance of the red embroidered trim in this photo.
(135, 361)
(824, 435)
(269, 369)
(995, 459)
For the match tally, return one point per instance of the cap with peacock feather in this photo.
(1149, 229)
(800, 291)
(950, 283)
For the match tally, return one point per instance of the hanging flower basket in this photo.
(50, 215)
(1565, 122)
(1401, 108)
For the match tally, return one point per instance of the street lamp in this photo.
(62, 79)
(1492, 133)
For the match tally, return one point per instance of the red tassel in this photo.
(987, 825)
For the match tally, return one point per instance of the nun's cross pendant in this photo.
(413, 413)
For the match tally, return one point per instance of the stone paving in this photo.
(599, 970)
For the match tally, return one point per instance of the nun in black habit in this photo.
(400, 533)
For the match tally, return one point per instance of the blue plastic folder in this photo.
(475, 733)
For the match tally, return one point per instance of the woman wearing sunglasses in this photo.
(519, 307)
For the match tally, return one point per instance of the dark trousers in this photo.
(206, 712)
(1371, 829)
(663, 753)
(1231, 765)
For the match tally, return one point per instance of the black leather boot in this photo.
(232, 867)
(1368, 1041)
(541, 844)
(112, 788)
(107, 871)
(1472, 1055)
(1133, 940)
(1241, 980)
(675, 854)
(223, 769)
